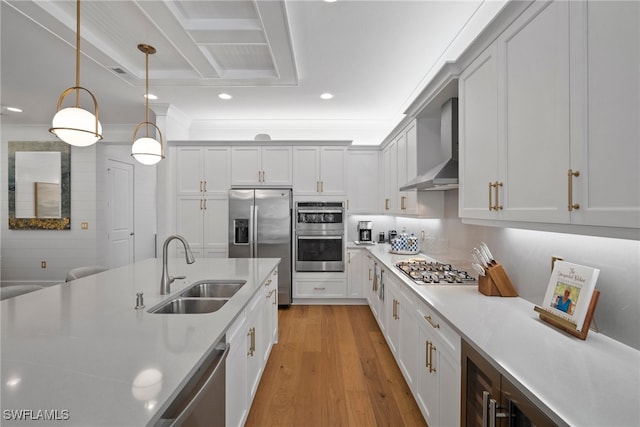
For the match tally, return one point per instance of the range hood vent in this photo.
(444, 176)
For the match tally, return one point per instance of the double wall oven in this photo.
(319, 242)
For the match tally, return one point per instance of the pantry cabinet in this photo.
(261, 166)
(202, 181)
(319, 170)
(546, 127)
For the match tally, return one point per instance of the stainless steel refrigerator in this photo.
(260, 227)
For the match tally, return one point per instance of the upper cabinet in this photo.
(261, 166)
(363, 181)
(548, 118)
(319, 170)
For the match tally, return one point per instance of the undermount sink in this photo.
(190, 306)
(213, 289)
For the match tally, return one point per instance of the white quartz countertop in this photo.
(80, 349)
(595, 382)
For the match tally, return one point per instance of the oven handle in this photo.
(316, 211)
(316, 236)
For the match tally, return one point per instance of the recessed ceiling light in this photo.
(14, 109)
(224, 96)
(150, 96)
(330, 1)
(326, 95)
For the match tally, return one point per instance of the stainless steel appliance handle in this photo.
(254, 238)
(252, 221)
(322, 237)
(318, 211)
(188, 409)
(485, 408)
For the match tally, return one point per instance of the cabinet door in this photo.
(478, 149)
(390, 177)
(246, 166)
(215, 230)
(237, 408)
(277, 166)
(534, 87)
(605, 106)
(392, 322)
(217, 169)
(255, 336)
(363, 181)
(426, 377)
(448, 369)
(189, 174)
(190, 225)
(306, 170)
(354, 273)
(408, 168)
(407, 351)
(333, 170)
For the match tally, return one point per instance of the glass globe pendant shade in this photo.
(76, 126)
(147, 151)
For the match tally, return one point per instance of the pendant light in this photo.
(147, 150)
(74, 125)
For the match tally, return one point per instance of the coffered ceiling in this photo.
(274, 58)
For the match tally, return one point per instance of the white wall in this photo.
(526, 257)
(23, 250)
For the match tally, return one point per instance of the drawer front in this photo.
(321, 289)
(448, 337)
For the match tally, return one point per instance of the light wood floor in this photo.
(332, 367)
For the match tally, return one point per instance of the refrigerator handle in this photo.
(252, 221)
(254, 238)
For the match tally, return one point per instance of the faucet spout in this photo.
(166, 280)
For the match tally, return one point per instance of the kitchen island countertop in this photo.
(82, 352)
(595, 382)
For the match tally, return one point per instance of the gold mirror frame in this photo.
(62, 223)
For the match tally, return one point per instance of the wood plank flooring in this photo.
(332, 367)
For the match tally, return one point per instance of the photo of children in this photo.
(565, 297)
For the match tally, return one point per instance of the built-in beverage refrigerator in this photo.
(260, 227)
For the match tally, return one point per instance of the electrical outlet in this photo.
(84, 225)
(554, 259)
(43, 264)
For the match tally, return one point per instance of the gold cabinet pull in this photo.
(490, 200)
(402, 202)
(252, 345)
(498, 206)
(432, 348)
(369, 274)
(200, 204)
(434, 325)
(322, 186)
(349, 260)
(201, 186)
(386, 204)
(570, 174)
(426, 354)
(205, 204)
(317, 186)
(205, 186)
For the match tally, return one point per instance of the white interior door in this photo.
(120, 213)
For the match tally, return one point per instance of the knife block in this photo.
(496, 282)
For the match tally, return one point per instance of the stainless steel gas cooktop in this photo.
(426, 272)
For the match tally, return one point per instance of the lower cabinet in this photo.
(426, 349)
(354, 273)
(250, 337)
(438, 375)
(320, 285)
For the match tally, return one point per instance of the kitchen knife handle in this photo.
(570, 174)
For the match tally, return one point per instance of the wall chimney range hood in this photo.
(444, 176)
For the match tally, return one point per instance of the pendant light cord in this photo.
(77, 53)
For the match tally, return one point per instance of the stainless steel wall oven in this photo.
(319, 243)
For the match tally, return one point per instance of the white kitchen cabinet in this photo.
(261, 166)
(390, 178)
(558, 92)
(354, 272)
(320, 285)
(437, 381)
(368, 275)
(605, 107)
(319, 170)
(202, 181)
(406, 145)
(363, 181)
(250, 337)
(402, 329)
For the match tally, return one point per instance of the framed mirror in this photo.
(39, 185)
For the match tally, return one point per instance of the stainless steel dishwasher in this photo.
(201, 403)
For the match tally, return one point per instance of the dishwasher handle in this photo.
(197, 395)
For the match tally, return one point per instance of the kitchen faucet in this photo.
(167, 280)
